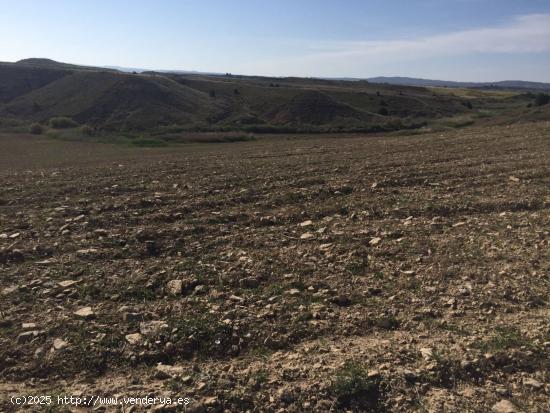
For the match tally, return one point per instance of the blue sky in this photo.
(469, 40)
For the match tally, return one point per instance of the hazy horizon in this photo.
(456, 40)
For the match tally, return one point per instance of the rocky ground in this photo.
(391, 274)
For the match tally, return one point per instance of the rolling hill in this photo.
(36, 90)
(506, 84)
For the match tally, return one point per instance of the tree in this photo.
(36, 129)
(542, 99)
(383, 111)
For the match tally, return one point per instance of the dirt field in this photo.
(398, 274)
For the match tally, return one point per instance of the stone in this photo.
(164, 371)
(249, 282)
(153, 329)
(410, 376)
(294, 291)
(67, 283)
(134, 339)
(341, 300)
(375, 241)
(46, 262)
(530, 382)
(187, 380)
(87, 252)
(374, 374)
(60, 344)
(174, 287)
(504, 406)
(426, 352)
(200, 289)
(26, 336)
(85, 313)
(306, 223)
(307, 235)
(28, 326)
(131, 317)
(211, 401)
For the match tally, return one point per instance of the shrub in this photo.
(542, 99)
(353, 387)
(62, 123)
(383, 111)
(148, 142)
(87, 130)
(36, 129)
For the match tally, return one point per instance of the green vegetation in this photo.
(353, 388)
(87, 130)
(36, 129)
(62, 122)
(111, 104)
(203, 335)
(148, 142)
(383, 111)
(542, 99)
(505, 337)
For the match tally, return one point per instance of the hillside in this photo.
(506, 84)
(36, 90)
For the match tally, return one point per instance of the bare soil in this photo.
(398, 274)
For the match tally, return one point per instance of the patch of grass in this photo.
(261, 351)
(148, 142)
(176, 384)
(258, 378)
(453, 328)
(138, 293)
(386, 323)
(203, 335)
(505, 337)
(353, 388)
(89, 291)
(62, 122)
(85, 352)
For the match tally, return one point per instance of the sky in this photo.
(463, 40)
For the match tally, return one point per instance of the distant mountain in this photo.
(42, 63)
(176, 72)
(506, 84)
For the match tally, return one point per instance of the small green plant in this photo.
(504, 338)
(36, 129)
(203, 335)
(353, 388)
(62, 123)
(259, 377)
